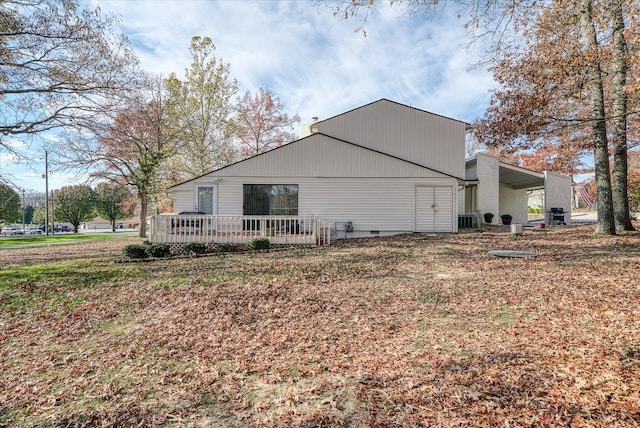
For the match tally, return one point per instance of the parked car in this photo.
(63, 228)
(11, 230)
(34, 230)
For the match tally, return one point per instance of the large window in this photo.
(270, 199)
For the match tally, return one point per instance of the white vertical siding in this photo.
(378, 205)
(371, 204)
(183, 199)
(461, 203)
(411, 134)
(322, 156)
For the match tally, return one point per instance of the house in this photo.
(99, 223)
(381, 169)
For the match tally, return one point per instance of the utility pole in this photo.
(24, 230)
(53, 223)
(46, 192)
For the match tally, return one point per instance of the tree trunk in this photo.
(605, 224)
(142, 196)
(620, 169)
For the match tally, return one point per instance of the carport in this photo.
(501, 188)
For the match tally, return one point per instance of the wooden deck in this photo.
(216, 229)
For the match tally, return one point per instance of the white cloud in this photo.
(312, 59)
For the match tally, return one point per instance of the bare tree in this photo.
(59, 63)
(261, 123)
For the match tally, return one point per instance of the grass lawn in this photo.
(18, 241)
(408, 331)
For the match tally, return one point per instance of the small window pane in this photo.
(284, 199)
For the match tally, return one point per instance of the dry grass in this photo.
(409, 331)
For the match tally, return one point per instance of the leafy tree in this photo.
(596, 105)
(261, 123)
(59, 63)
(558, 156)
(202, 111)
(28, 214)
(9, 204)
(74, 204)
(506, 156)
(559, 88)
(39, 214)
(133, 149)
(113, 202)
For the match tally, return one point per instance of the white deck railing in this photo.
(208, 229)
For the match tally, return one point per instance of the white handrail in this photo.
(210, 229)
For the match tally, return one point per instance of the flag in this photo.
(584, 194)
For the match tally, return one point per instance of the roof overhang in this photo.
(509, 175)
(520, 178)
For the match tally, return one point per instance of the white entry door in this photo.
(434, 209)
(205, 199)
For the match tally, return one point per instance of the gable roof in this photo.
(385, 100)
(320, 155)
(386, 128)
(404, 132)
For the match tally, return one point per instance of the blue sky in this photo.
(312, 60)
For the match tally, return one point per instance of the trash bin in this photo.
(516, 229)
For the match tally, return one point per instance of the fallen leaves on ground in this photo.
(414, 330)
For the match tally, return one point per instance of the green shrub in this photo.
(158, 250)
(226, 247)
(135, 251)
(258, 244)
(194, 248)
